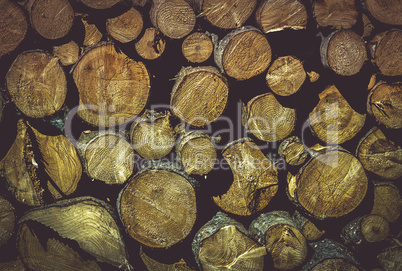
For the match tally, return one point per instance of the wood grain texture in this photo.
(151, 45)
(67, 53)
(387, 12)
(197, 47)
(340, 14)
(125, 27)
(387, 201)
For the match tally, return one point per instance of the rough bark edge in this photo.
(241, 141)
(324, 48)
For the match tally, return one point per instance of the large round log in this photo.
(385, 11)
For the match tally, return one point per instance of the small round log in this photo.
(380, 155)
(273, 15)
(152, 135)
(386, 52)
(7, 220)
(223, 243)
(15, 24)
(340, 14)
(366, 229)
(267, 119)
(329, 255)
(255, 179)
(281, 237)
(125, 27)
(106, 156)
(344, 52)
(387, 201)
(37, 84)
(385, 11)
(199, 95)
(67, 53)
(293, 151)
(227, 14)
(197, 47)
(158, 205)
(52, 19)
(92, 33)
(286, 75)
(243, 53)
(331, 185)
(384, 102)
(307, 228)
(333, 120)
(100, 4)
(105, 79)
(174, 18)
(196, 152)
(151, 45)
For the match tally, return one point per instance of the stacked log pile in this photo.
(200, 135)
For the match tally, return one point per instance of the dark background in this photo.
(303, 44)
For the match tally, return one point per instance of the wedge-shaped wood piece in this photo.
(293, 151)
(68, 53)
(387, 201)
(255, 179)
(151, 45)
(92, 33)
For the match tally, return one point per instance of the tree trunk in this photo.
(387, 201)
(14, 18)
(255, 179)
(293, 151)
(307, 228)
(199, 95)
(340, 14)
(344, 52)
(105, 95)
(37, 84)
(151, 45)
(243, 53)
(387, 12)
(106, 156)
(380, 155)
(223, 243)
(125, 27)
(333, 120)
(197, 47)
(158, 205)
(267, 119)
(273, 15)
(281, 237)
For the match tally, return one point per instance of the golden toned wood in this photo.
(67, 53)
(151, 45)
(197, 47)
(199, 95)
(106, 96)
(387, 12)
(307, 227)
(92, 33)
(387, 201)
(340, 14)
(293, 151)
(333, 120)
(255, 179)
(125, 27)
(37, 84)
(154, 265)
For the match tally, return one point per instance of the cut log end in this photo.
(67, 53)
(151, 45)
(197, 47)
(126, 27)
(387, 201)
(387, 12)
(341, 14)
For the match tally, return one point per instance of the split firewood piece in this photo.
(227, 13)
(15, 26)
(174, 18)
(152, 135)
(154, 265)
(125, 27)
(390, 259)
(255, 179)
(273, 15)
(16, 265)
(279, 234)
(384, 102)
(106, 156)
(333, 120)
(158, 205)
(100, 4)
(37, 84)
(286, 75)
(372, 82)
(386, 52)
(196, 152)
(307, 228)
(368, 26)
(313, 76)
(67, 53)
(52, 19)
(293, 150)
(344, 52)
(151, 45)
(85, 220)
(380, 155)
(243, 53)
(330, 255)
(340, 14)
(387, 201)
(7, 220)
(105, 80)
(224, 244)
(92, 33)
(331, 185)
(365, 229)
(199, 95)
(197, 47)
(267, 119)
(385, 11)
